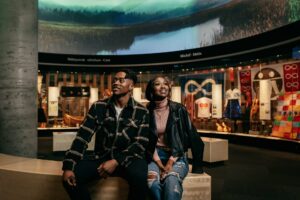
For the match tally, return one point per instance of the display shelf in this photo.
(262, 141)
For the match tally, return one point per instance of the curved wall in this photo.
(268, 45)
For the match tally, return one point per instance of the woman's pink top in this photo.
(161, 113)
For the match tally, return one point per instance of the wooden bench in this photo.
(36, 179)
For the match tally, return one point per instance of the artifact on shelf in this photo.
(223, 127)
(72, 121)
(219, 127)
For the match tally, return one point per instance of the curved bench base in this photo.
(35, 179)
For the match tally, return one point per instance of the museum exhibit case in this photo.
(258, 99)
(233, 64)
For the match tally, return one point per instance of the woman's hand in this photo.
(161, 167)
(169, 165)
(168, 168)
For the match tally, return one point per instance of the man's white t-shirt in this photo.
(118, 111)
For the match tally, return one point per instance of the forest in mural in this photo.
(123, 27)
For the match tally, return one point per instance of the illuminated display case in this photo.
(65, 97)
(259, 99)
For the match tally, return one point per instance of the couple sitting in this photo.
(146, 147)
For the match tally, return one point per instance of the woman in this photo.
(172, 133)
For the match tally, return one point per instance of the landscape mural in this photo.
(126, 27)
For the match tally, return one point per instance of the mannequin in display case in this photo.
(232, 104)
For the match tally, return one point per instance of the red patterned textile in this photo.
(231, 74)
(245, 81)
(291, 77)
(189, 104)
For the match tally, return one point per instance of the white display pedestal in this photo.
(215, 150)
(62, 141)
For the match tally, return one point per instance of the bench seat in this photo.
(36, 179)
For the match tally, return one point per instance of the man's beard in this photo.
(121, 95)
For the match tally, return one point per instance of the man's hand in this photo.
(69, 177)
(107, 168)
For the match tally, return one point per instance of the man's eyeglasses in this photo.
(121, 80)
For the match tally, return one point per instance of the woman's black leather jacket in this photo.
(180, 135)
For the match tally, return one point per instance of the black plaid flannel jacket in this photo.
(123, 139)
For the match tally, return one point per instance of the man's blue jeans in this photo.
(170, 188)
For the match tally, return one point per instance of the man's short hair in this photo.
(129, 74)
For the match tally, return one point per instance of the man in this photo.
(121, 126)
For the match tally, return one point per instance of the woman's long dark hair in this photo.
(150, 88)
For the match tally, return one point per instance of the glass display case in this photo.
(65, 97)
(259, 99)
